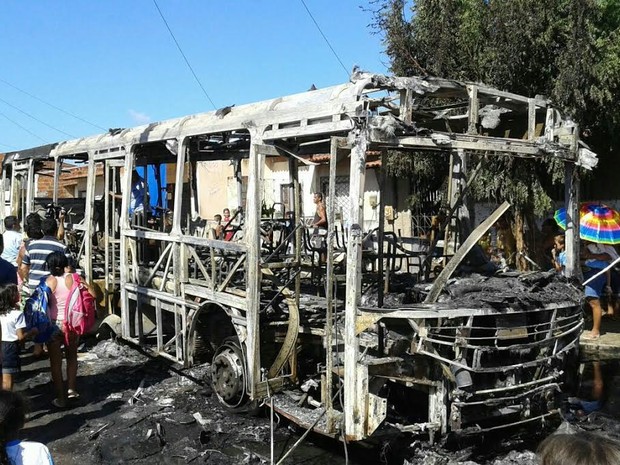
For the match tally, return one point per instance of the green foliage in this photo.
(568, 50)
(421, 168)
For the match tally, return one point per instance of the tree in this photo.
(568, 50)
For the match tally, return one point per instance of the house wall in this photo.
(71, 184)
(212, 179)
(370, 201)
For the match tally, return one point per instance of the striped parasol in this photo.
(597, 223)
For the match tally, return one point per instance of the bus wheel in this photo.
(228, 375)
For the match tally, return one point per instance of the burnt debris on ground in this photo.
(137, 409)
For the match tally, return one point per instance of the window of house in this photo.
(341, 203)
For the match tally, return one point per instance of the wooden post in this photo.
(354, 397)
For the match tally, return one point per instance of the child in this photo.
(558, 253)
(13, 324)
(228, 228)
(583, 448)
(12, 419)
(219, 229)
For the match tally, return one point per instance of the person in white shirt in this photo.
(13, 451)
(13, 330)
(13, 239)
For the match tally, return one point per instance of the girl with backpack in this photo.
(14, 451)
(13, 332)
(60, 282)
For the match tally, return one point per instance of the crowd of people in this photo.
(31, 260)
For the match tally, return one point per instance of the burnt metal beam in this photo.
(455, 261)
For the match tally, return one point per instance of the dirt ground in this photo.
(138, 409)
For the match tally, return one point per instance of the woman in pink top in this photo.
(60, 282)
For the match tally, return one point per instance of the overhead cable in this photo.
(324, 37)
(22, 127)
(8, 146)
(52, 105)
(37, 119)
(183, 54)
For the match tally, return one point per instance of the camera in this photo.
(53, 211)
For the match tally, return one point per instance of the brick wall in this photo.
(67, 182)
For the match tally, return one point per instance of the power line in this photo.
(22, 127)
(183, 54)
(52, 105)
(8, 146)
(37, 119)
(324, 37)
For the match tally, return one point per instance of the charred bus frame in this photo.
(246, 304)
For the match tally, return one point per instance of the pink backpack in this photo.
(81, 309)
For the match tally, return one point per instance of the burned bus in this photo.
(348, 332)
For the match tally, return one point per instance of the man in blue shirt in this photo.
(136, 201)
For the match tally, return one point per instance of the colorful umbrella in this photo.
(597, 223)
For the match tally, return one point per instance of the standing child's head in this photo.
(12, 419)
(579, 449)
(9, 297)
(11, 223)
(32, 226)
(12, 416)
(56, 263)
(226, 212)
(558, 242)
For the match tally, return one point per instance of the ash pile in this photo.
(510, 289)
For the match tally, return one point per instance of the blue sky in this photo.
(114, 63)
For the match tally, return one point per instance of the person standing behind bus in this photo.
(597, 257)
(320, 214)
(33, 266)
(8, 272)
(60, 281)
(32, 228)
(229, 231)
(136, 199)
(12, 239)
